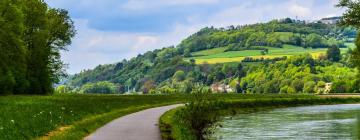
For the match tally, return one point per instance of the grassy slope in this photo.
(218, 55)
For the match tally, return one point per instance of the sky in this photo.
(109, 31)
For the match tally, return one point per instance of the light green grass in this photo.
(237, 56)
(209, 52)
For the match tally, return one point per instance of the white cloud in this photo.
(299, 10)
(147, 4)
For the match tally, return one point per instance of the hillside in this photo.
(179, 69)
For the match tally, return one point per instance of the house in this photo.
(221, 88)
(327, 88)
(330, 20)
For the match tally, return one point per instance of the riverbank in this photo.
(176, 125)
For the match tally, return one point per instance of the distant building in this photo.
(330, 20)
(327, 88)
(221, 88)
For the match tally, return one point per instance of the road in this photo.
(142, 125)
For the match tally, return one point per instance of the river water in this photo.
(334, 122)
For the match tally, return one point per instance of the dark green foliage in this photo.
(351, 18)
(333, 53)
(273, 34)
(31, 38)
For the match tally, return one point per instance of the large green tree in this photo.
(12, 49)
(31, 38)
(352, 18)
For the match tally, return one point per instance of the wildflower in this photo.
(12, 121)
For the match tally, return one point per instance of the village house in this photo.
(221, 88)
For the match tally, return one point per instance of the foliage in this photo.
(103, 87)
(32, 36)
(351, 18)
(333, 54)
(297, 74)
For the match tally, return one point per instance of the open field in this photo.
(218, 55)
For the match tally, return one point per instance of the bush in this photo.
(199, 113)
(309, 87)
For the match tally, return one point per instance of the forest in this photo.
(173, 69)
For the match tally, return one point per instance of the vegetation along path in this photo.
(137, 126)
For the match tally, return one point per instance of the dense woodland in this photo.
(166, 71)
(31, 38)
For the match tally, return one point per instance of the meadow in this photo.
(218, 55)
(68, 116)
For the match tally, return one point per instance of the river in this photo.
(295, 123)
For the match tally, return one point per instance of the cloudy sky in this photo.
(111, 30)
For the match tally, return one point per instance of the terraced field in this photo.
(218, 55)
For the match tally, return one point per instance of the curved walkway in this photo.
(142, 125)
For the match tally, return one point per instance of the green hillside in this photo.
(179, 69)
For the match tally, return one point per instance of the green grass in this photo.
(29, 117)
(220, 56)
(209, 52)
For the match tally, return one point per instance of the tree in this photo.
(148, 86)
(12, 49)
(179, 76)
(309, 87)
(333, 53)
(103, 87)
(31, 38)
(351, 18)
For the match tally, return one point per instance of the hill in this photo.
(181, 68)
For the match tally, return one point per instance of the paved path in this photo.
(142, 125)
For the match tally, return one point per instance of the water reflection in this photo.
(314, 122)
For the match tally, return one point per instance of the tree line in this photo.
(31, 37)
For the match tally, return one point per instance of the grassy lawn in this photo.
(218, 55)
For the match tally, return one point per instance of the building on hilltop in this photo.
(330, 20)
